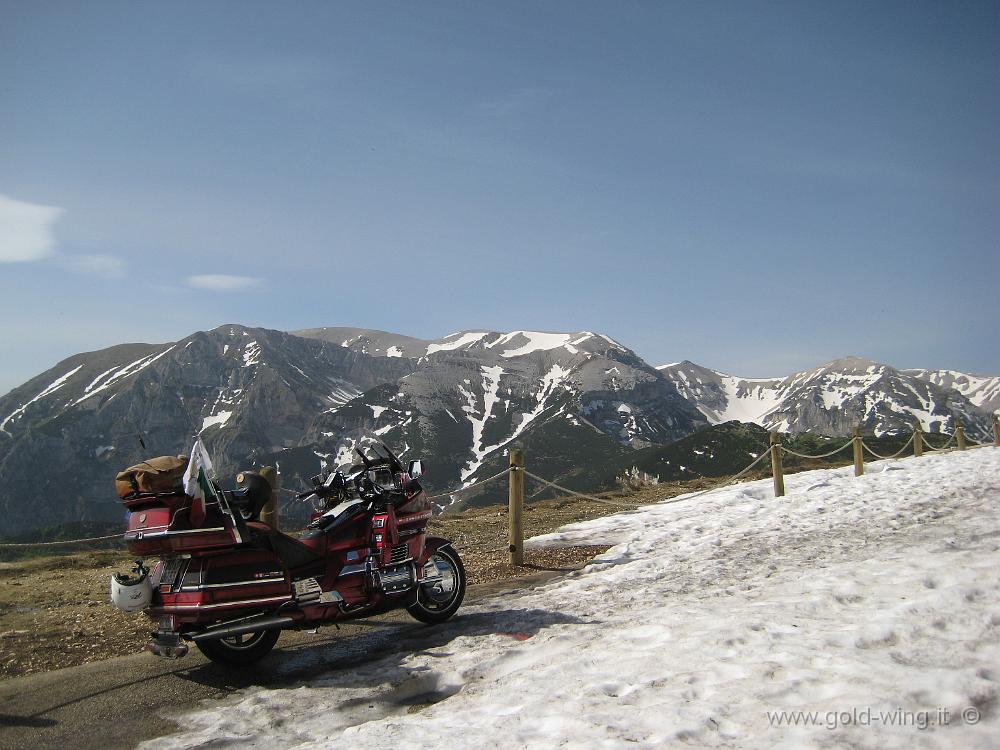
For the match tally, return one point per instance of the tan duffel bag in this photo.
(163, 474)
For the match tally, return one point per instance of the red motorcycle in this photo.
(231, 584)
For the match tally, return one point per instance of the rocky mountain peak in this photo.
(852, 364)
(834, 398)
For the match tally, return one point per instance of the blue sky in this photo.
(758, 187)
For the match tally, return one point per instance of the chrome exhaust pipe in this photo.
(247, 626)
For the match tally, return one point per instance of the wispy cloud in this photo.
(96, 264)
(26, 230)
(223, 282)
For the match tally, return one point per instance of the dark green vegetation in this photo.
(725, 449)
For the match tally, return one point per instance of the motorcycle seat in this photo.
(291, 551)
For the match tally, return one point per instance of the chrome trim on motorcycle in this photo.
(137, 535)
(257, 581)
(219, 605)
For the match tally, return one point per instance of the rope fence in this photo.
(463, 490)
(516, 473)
(547, 483)
(6, 545)
(937, 450)
(897, 454)
(731, 480)
(790, 452)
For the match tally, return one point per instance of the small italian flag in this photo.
(197, 483)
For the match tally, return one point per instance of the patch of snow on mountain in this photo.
(52, 387)
(555, 377)
(251, 354)
(342, 393)
(491, 385)
(612, 342)
(464, 339)
(345, 454)
(219, 419)
(748, 400)
(120, 373)
(834, 399)
(99, 378)
(377, 410)
(394, 351)
(535, 341)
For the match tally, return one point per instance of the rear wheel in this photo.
(240, 650)
(441, 595)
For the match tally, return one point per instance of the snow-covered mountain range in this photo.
(835, 397)
(580, 403)
(577, 401)
(981, 390)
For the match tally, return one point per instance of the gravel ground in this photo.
(54, 611)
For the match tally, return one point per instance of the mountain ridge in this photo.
(260, 396)
(581, 403)
(838, 395)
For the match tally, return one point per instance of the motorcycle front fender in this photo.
(432, 544)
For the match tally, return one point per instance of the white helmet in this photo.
(132, 593)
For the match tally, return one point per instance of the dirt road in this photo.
(114, 704)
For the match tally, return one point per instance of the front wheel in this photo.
(240, 650)
(442, 589)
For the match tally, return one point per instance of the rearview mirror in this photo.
(417, 469)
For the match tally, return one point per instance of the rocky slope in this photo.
(981, 390)
(65, 433)
(577, 402)
(835, 397)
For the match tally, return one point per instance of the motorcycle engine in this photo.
(397, 578)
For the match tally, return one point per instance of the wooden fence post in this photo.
(859, 456)
(959, 434)
(269, 513)
(918, 440)
(776, 468)
(515, 532)
(996, 430)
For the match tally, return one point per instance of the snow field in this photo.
(880, 592)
